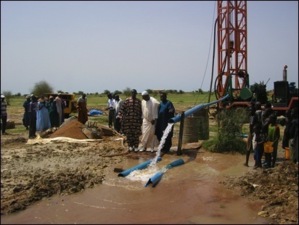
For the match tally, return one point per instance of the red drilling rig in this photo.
(232, 77)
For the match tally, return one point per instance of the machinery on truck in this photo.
(232, 77)
(285, 95)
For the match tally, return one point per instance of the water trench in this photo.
(187, 194)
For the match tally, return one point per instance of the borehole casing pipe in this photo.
(177, 118)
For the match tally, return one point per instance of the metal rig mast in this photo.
(232, 51)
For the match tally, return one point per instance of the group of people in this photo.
(42, 113)
(141, 121)
(264, 135)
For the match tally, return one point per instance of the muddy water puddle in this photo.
(187, 194)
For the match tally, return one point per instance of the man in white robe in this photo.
(149, 118)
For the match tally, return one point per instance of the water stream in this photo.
(145, 174)
(162, 142)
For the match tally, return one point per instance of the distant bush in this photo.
(228, 138)
(106, 92)
(127, 92)
(117, 92)
(41, 88)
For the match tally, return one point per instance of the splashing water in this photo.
(143, 175)
(162, 142)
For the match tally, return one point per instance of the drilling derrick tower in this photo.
(232, 78)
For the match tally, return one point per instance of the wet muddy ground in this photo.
(190, 193)
(61, 180)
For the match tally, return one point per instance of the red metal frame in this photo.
(232, 46)
(291, 105)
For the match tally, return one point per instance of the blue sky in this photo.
(103, 45)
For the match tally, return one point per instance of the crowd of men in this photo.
(142, 121)
(42, 113)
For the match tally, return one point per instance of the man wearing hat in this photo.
(3, 114)
(149, 118)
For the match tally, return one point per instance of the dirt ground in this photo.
(66, 162)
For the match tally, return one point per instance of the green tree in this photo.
(80, 93)
(149, 91)
(117, 92)
(41, 88)
(127, 92)
(200, 91)
(106, 92)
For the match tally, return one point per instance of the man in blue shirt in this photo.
(166, 111)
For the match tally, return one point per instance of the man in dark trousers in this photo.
(166, 111)
(3, 114)
(32, 116)
(111, 108)
(26, 118)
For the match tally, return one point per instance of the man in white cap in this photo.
(3, 114)
(149, 117)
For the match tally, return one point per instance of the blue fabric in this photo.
(95, 112)
(42, 117)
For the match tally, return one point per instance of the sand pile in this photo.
(71, 128)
